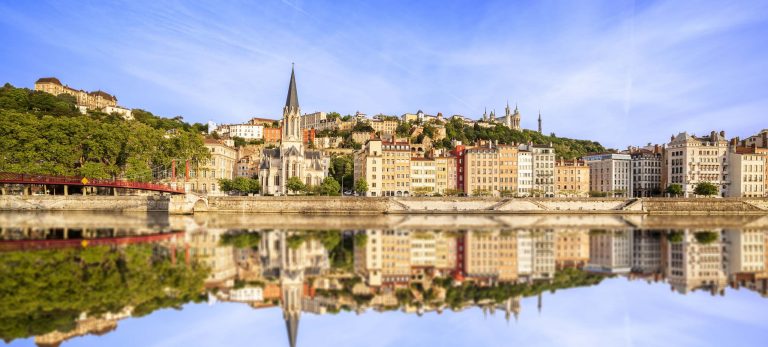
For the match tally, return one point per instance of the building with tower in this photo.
(290, 159)
(512, 119)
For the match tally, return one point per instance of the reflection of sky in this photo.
(615, 313)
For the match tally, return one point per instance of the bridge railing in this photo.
(15, 178)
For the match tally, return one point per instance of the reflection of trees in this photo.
(48, 290)
(469, 292)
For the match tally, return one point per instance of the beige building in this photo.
(204, 246)
(691, 160)
(204, 177)
(610, 173)
(384, 127)
(312, 120)
(385, 258)
(694, 265)
(747, 172)
(491, 170)
(572, 178)
(385, 166)
(491, 255)
(445, 174)
(423, 176)
(571, 248)
(91, 100)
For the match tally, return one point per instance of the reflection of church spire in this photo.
(539, 304)
(292, 325)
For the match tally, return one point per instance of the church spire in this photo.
(293, 98)
(539, 121)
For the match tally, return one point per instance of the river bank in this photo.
(189, 204)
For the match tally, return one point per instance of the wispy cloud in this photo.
(616, 71)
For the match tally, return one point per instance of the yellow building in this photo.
(90, 100)
(572, 178)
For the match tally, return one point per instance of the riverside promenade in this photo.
(190, 204)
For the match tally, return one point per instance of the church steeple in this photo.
(292, 100)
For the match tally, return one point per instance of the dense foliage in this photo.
(47, 290)
(566, 278)
(566, 148)
(45, 134)
(242, 185)
(706, 189)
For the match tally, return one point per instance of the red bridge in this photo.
(27, 245)
(31, 179)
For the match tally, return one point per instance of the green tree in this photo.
(706, 189)
(674, 190)
(330, 187)
(295, 184)
(361, 186)
(706, 237)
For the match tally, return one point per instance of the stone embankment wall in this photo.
(188, 204)
(84, 203)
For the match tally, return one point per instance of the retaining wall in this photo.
(84, 203)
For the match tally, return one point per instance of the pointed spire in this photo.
(292, 325)
(292, 100)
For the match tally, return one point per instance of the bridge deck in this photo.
(14, 178)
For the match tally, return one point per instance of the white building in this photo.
(646, 171)
(246, 294)
(247, 131)
(691, 160)
(524, 173)
(543, 168)
(610, 173)
(747, 175)
(610, 252)
(122, 111)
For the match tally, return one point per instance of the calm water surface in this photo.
(84, 279)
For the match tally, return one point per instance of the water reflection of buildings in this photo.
(419, 271)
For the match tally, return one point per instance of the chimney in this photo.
(722, 133)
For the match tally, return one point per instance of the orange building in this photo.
(273, 135)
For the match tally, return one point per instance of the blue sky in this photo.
(620, 72)
(615, 313)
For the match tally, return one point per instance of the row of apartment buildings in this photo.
(396, 168)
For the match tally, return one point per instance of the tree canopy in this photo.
(45, 134)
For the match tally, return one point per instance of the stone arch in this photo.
(200, 205)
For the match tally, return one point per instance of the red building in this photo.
(458, 152)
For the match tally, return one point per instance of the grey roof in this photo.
(292, 100)
(272, 152)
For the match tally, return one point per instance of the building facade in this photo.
(691, 160)
(610, 173)
(572, 178)
(91, 100)
(646, 171)
(205, 175)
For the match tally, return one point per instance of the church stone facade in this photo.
(290, 159)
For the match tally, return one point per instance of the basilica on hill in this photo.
(290, 159)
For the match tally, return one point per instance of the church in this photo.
(290, 159)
